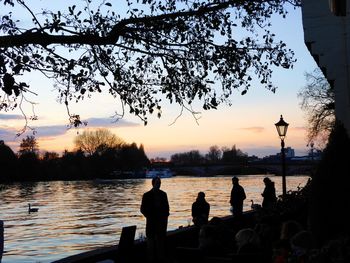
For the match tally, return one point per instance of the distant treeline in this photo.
(75, 165)
(215, 155)
(99, 153)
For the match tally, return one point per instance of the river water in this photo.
(78, 216)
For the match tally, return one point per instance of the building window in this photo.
(338, 7)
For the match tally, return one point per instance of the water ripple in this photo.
(78, 216)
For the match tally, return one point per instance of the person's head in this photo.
(235, 180)
(267, 180)
(156, 182)
(247, 236)
(201, 196)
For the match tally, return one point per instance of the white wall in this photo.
(329, 38)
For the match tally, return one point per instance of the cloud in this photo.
(254, 129)
(11, 117)
(50, 131)
(58, 130)
(8, 134)
(109, 122)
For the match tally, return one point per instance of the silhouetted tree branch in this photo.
(317, 101)
(179, 51)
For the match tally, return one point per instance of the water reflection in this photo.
(78, 216)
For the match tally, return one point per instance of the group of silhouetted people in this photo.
(238, 196)
(155, 207)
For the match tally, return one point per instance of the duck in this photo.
(31, 209)
(255, 206)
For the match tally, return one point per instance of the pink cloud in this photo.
(254, 129)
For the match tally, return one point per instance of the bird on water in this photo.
(32, 209)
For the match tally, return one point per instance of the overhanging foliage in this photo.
(179, 50)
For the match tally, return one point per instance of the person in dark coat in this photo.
(237, 197)
(155, 207)
(200, 210)
(269, 194)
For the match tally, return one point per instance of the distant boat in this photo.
(161, 172)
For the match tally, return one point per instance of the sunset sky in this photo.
(248, 123)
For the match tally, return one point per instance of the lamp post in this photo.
(282, 127)
(312, 151)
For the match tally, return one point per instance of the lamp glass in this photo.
(282, 128)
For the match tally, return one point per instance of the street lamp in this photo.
(282, 127)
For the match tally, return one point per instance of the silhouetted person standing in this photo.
(200, 210)
(269, 194)
(155, 208)
(237, 197)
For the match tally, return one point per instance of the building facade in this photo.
(327, 35)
